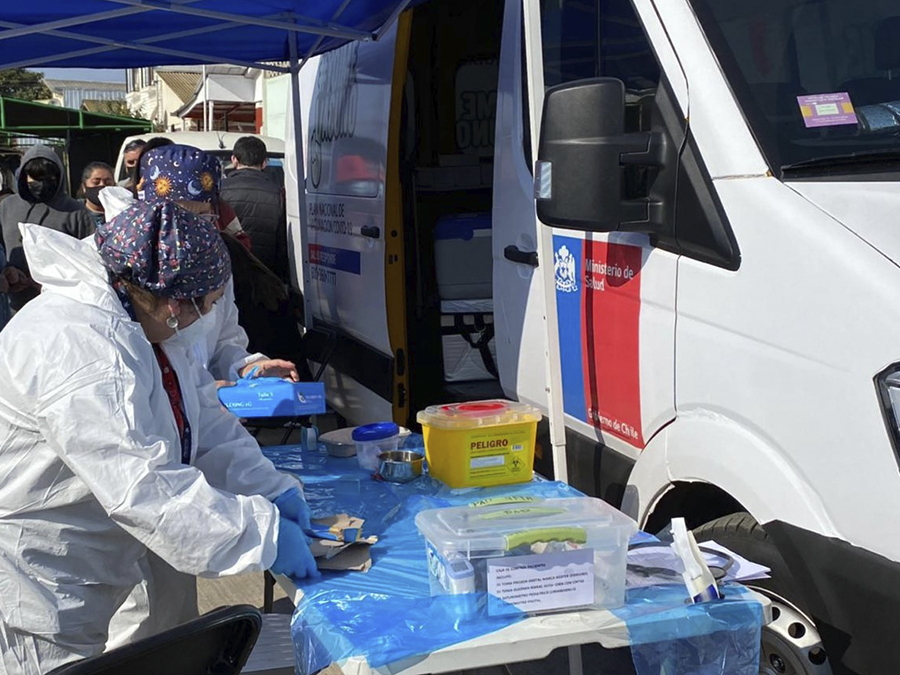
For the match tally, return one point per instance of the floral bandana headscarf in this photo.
(179, 173)
(164, 249)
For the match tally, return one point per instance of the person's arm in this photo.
(282, 267)
(101, 423)
(229, 355)
(228, 455)
(4, 283)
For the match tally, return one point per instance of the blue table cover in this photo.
(388, 613)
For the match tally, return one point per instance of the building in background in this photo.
(74, 93)
(178, 98)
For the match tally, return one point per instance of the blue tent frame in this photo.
(139, 33)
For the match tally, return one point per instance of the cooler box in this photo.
(480, 443)
(523, 554)
(462, 256)
(273, 397)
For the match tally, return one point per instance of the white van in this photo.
(721, 179)
(218, 143)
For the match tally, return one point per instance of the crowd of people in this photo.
(121, 476)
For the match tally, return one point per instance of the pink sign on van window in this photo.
(827, 110)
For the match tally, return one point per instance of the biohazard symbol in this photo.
(516, 465)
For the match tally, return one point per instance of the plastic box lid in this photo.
(461, 225)
(478, 414)
(496, 526)
(375, 432)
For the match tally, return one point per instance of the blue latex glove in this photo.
(293, 559)
(293, 506)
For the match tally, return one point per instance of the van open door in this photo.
(615, 289)
(344, 264)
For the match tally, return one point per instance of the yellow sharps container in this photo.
(480, 443)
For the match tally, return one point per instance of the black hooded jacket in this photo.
(61, 213)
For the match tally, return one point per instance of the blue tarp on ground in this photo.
(83, 32)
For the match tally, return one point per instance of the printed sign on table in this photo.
(538, 583)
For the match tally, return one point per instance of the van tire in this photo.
(790, 643)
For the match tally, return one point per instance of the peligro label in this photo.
(497, 452)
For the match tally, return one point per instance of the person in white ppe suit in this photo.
(113, 447)
(217, 343)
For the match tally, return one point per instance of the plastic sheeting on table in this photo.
(388, 614)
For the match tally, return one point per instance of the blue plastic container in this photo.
(373, 439)
(273, 397)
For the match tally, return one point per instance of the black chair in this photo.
(217, 643)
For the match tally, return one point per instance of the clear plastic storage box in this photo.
(522, 554)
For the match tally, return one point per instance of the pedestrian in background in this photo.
(95, 177)
(259, 204)
(40, 198)
(130, 156)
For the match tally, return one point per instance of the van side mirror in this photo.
(582, 157)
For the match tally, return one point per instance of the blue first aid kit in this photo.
(273, 397)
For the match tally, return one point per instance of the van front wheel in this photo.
(790, 643)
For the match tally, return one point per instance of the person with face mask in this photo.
(95, 177)
(116, 454)
(131, 153)
(191, 178)
(40, 198)
(215, 342)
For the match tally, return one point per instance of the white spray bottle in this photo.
(699, 580)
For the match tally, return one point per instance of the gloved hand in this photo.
(293, 506)
(293, 559)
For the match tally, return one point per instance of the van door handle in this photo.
(517, 255)
(371, 231)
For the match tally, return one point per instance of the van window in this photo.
(603, 38)
(819, 82)
(596, 38)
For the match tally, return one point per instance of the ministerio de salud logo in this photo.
(564, 264)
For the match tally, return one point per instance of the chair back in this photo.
(217, 643)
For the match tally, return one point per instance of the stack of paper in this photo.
(650, 565)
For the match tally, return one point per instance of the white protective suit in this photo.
(222, 349)
(218, 344)
(91, 477)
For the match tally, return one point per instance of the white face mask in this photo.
(193, 336)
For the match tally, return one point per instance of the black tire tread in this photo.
(740, 524)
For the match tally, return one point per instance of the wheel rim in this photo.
(790, 643)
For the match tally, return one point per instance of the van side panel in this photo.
(345, 260)
(788, 348)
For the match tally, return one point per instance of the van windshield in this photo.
(819, 81)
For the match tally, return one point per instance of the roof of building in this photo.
(183, 84)
(59, 85)
(105, 107)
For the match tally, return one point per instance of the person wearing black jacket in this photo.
(40, 198)
(259, 204)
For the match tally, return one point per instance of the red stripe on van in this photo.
(611, 311)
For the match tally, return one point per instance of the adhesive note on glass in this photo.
(826, 110)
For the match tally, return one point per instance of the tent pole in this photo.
(205, 98)
(301, 171)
